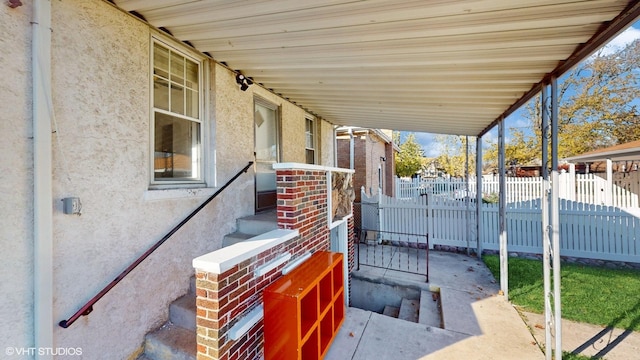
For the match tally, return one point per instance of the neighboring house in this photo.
(430, 169)
(144, 129)
(624, 158)
(373, 157)
(373, 160)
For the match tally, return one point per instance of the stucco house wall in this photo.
(101, 153)
(16, 179)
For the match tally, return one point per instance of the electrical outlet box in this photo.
(71, 205)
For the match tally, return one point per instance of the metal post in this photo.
(467, 214)
(608, 194)
(544, 205)
(479, 195)
(504, 263)
(555, 217)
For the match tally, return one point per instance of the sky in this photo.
(431, 148)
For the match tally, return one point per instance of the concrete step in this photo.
(409, 310)
(429, 313)
(182, 312)
(192, 285)
(257, 224)
(235, 237)
(170, 342)
(392, 311)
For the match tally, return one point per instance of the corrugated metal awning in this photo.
(442, 66)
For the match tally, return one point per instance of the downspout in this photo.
(351, 150)
(42, 179)
(335, 146)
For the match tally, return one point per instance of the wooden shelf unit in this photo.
(304, 309)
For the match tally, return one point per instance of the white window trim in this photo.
(206, 171)
(315, 137)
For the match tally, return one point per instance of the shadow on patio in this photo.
(478, 323)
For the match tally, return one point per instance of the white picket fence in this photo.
(587, 188)
(586, 230)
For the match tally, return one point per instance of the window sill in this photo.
(170, 194)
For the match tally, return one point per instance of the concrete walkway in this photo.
(590, 340)
(478, 323)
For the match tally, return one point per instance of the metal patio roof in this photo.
(441, 66)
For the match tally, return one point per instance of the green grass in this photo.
(569, 356)
(595, 295)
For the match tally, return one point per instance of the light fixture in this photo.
(243, 81)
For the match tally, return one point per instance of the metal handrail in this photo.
(87, 308)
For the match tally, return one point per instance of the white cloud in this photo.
(620, 41)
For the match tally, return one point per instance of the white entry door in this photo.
(267, 153)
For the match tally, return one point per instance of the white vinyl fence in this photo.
(586, 230)
(587, 188)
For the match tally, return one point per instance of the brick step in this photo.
(409, 310)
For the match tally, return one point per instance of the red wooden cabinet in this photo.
(304, 309)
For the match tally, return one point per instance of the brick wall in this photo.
(302, 205)
(222, 298)
(225, 298)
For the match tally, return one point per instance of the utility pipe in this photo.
(351, 150)
(42, 179)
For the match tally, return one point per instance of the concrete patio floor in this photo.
(479, 324)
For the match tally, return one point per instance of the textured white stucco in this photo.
(16, 183)
(101, 154)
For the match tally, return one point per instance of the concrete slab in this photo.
(589, 340)
(457, 311)
(389, 338)
(503, 335)
(346, 341)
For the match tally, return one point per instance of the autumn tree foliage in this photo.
(409, 158)
(598, 107)
(452, 158)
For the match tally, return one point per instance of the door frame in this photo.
(266, 200)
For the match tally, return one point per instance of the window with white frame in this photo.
(310, 140)
(177, 129)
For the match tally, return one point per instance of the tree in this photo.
(409, 158)
(598, 107)
(452, 154)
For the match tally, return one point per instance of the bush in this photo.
(491, 199)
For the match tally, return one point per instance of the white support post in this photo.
(467, 213)
(544, 205)
(504, 255)
(555, 218)
(479, 195)
(609, 192)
